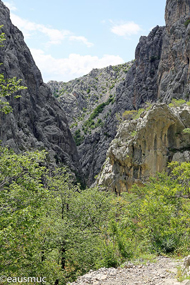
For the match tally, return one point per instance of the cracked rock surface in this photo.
(144, 146)
(37, 120)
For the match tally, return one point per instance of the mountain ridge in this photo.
(159, 73)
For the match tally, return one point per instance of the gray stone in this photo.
(37, 120)
(160, 72)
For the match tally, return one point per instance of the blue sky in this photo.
(68, 38)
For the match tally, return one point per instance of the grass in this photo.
(181, 274)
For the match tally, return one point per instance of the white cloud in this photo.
(11, 6)
(55, 36)
(81, 39)
(65, 69)
(126, 29)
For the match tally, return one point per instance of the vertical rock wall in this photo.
(173, 71)
(37, 120)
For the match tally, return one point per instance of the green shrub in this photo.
(78, 137)
(135, 114)
(177, 102)
(99, 123)
(187, 22)
(139, 112)
(127, 115)
(186, 131)
(96, 112)
(73, 125)
(133, 134)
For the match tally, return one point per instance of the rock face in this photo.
(160, 72)
(173, 72)
(79, 97)
(37, 120)
(88, 102)
(140, 84)
(145, 145)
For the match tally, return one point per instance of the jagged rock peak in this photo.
(176, 9)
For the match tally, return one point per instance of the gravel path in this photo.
(162, 272)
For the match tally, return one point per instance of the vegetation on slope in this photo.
(51, 228)
(87, 101)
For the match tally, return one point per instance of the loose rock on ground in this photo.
(162, 272)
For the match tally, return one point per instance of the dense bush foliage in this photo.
(50, 227)
(78, 137)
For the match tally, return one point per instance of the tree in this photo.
(161, 211)
(22, 200)
(76, 217)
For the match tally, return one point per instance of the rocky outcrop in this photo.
(162, 271)
(37, 120)
(145, 145)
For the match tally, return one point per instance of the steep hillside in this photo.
(38, 120)
(81, 96)
(160, 72)
(88, 102)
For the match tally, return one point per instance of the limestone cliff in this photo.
(145, 145)
(79, 97)
(173, 71)
(37, 120)
(160, 72)
(88, 102)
